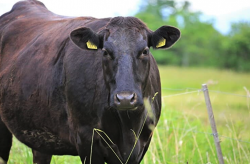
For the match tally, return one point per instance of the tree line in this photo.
(200, 44)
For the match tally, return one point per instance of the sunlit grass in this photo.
(183, 133)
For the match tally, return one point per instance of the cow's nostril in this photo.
(133, 99)
(117, 98)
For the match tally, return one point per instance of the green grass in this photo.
(183, 133)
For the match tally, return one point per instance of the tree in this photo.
(237, 49)
(199, 41)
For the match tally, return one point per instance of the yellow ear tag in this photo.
(161, 43)
(90, 45)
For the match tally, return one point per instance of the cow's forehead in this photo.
(127, 38)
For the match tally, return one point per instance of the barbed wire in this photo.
(227, 93)
(180, 89)
(199, 90)
(182, 93)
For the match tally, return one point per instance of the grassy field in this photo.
(183, 134)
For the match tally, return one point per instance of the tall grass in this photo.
(183, 134)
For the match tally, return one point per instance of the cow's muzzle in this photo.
(126, 100)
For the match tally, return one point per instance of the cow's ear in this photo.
(85, 38)
(164, 37)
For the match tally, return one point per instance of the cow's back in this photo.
(29, 22)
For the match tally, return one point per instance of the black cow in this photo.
(78, 86)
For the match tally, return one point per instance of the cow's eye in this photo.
(144, 53)
(106, 54)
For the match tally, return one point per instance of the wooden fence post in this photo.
(212, 123)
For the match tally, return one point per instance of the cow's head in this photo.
(125, 44)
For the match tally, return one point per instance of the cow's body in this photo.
(53, 93)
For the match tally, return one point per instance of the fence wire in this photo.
(178, 94)
(198, 91)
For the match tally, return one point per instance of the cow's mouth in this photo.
(130, 109)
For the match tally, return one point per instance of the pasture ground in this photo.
(183, 133)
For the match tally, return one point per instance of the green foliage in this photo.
(237, 54)
(200, 44)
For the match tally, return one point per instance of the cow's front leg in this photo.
(94, 160)
(90, 153)
(98, 153)
(87, 157)
(40, 158)
(5, 143)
